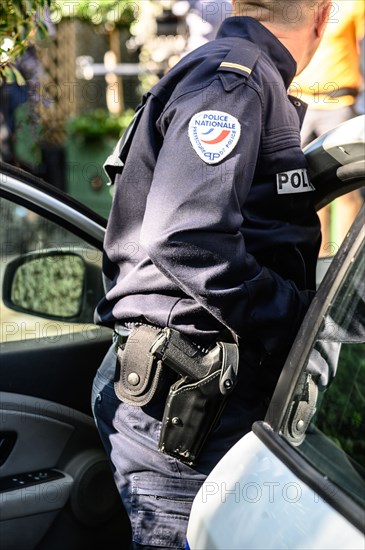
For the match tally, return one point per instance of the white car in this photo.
(297, 480)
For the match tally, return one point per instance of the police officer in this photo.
(212, 231)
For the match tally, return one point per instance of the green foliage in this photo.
(22, 23)
(121, 13)
(342, 415)
(20, 26)
(98, 124)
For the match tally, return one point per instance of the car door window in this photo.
(23, 232)
(326, 418)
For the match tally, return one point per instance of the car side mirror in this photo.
(54, 284)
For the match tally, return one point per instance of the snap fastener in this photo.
(133, 379)
(297, 103)
(300, 425)
(177, 421)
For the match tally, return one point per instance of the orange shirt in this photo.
(336, 63)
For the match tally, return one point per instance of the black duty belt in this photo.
(122, 333)
(119, 340)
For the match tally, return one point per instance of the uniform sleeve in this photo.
(192, 224)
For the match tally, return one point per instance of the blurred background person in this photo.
(13, 95)
(330, 85)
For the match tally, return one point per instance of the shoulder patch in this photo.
(213, 135)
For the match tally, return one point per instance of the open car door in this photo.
(56, 486)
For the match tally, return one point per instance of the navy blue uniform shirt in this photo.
(212, 223)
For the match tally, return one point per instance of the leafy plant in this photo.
(22, 23)
(120, 13)
(342, 416)
(20, 26)
(99, 123)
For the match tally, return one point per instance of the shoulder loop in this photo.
(241, 59)
(115, 162)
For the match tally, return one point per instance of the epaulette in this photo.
(241, 59)
(115, 162)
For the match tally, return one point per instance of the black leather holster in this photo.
(195, 401)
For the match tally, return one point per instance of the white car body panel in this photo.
(247, 503)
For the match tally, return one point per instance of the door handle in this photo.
(7, 442)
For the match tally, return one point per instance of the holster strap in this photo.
(229, 370)
(139, 372)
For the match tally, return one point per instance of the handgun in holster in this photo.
(196, 401)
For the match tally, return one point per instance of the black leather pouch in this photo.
(138, 374)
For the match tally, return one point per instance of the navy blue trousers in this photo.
(157, 490)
